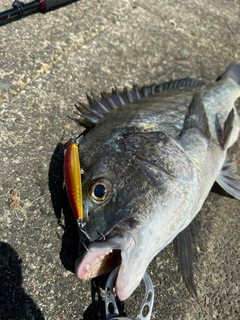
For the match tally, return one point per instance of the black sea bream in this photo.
(149, 162)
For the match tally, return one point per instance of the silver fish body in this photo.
(149, 164)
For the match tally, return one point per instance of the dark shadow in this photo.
(15, 304)
(56, 179)
(62, 209)
(70, 239)
(96, 310)
(216, 188)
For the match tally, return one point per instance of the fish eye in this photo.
(100, 190)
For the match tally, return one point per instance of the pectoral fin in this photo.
(229, 180)
(196, 117)
(227, 129)
(186, 244)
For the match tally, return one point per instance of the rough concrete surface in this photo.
(47, 63)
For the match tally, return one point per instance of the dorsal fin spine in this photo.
(119, 96)
(86, 107)
(90, 100)
(128, 94)
(100, 107)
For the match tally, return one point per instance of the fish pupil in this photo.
(99, 191)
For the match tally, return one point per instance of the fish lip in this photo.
(115, 249)
(98, 252)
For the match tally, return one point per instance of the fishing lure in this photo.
(72, 173)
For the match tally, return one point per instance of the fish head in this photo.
(129, 196)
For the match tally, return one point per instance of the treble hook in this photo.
(102, 235)
(80, 225)
(85, 246)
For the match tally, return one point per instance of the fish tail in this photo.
(233, 72)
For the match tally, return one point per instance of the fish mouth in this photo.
(104, 256)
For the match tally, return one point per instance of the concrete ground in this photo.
(47, 63)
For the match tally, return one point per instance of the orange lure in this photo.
(73, 182)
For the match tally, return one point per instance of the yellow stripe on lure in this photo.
(73, 181)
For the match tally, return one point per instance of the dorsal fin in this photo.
(99, 107)
(196, 116)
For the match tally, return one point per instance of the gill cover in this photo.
(139, 163)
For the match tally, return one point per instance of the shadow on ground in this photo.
(62, 209)
(15, 304)
(96, 310)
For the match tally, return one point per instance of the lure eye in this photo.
(100, 190)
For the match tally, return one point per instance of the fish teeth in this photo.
(91, 269)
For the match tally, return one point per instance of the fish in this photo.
(149, 158)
